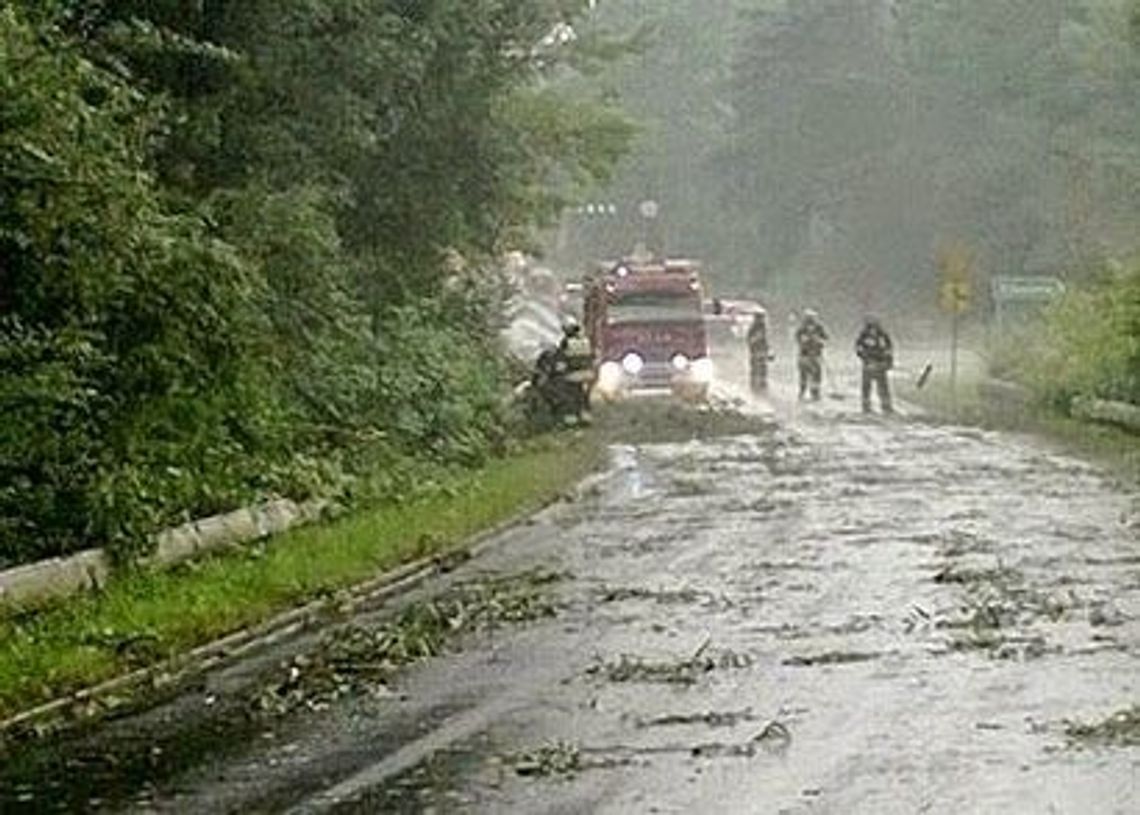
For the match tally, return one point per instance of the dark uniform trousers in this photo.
(875, 374)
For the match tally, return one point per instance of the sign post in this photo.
(956, 265)
(649, 210)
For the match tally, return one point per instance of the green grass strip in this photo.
(145, 617)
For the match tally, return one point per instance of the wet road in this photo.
(826, 613)
(829, 614)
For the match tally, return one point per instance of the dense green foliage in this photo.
(1087, 345)
(152, 615)
(248, 248)
(823, 150)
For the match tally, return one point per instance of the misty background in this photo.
(261, 248)
(826, 152)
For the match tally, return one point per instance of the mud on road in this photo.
(835, 614)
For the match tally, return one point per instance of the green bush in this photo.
(231, 252)
(1088, 343)
(129, 338)
(440, 389)
(153, 372)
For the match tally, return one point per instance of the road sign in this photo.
(955, 296)
(956, 265)
(648, 209)
(1020, 297)
(1027, 288)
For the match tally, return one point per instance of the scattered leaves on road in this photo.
(558, 759)
(829, 658)
(681, 671)
(1121, 729)
(711, 718)
(362, 660)
(775, 738)
(617, 594)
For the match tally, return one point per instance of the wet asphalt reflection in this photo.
(829, 613)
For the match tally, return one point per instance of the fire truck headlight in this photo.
(680, 362)
(702, 370)
(609, 377)
(632, 363)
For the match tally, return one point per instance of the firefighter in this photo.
(811, 337)
(758, 353)
(562, 378)
(875, 350)
(576, 367)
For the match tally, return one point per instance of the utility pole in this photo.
(954, 362)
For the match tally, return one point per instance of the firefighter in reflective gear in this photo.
(874, 348)
(758, 353)
(811, 337)
(576, 350)
(564, 374)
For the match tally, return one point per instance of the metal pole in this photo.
(954, 362)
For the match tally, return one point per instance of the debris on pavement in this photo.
(362, 660)
(681, 671)
(1121, 729)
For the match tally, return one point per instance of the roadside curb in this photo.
(1120, 414)
(121, 694)
(91, 568)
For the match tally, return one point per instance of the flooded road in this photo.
(827, 613)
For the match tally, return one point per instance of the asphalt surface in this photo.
(828, 612)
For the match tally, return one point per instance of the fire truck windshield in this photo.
(653, 306)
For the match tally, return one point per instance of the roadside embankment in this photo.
(33, 584)
(1106, 411)
(1001, 405)
(150, 616)
(1071, 372)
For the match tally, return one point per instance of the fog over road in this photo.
(830, 613)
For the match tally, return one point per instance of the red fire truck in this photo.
(645, 322)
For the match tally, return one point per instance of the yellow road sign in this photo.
(956, 296)
(956, 264)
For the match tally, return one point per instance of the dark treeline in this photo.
(826, 150)
(244, 246)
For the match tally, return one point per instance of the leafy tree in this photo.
(247, 246)
(824, 148)
(399, 109)
(125, 327)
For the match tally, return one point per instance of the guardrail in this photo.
(1121, 414)
(89, 569)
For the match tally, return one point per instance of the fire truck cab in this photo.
(646, 325)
